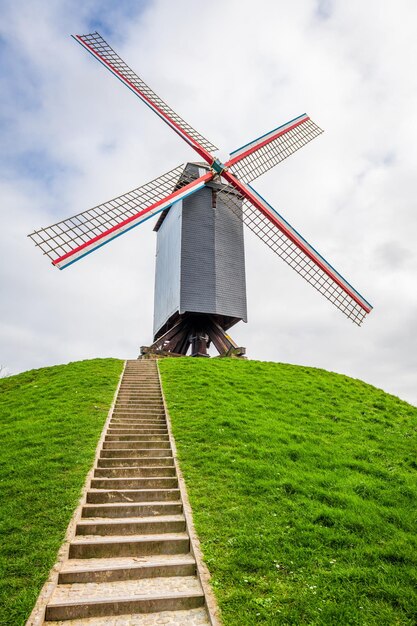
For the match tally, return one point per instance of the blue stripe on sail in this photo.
(100, 245)
(266, 134)
(309, 245)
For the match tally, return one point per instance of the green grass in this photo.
(303, 487)
(50, 421)
(302, 482)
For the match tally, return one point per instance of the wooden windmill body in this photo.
(200, 288)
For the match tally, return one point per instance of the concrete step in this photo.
(124, 509)
(153, 525)
(140, 366)
(95, 546)
(135, 416)
(135, 419)
(141, 422)
(143, 402)
(141, 374)
(135, 452)
(133, 428)
(140, 394)
(150, 380)
(157, 425)
(144, 408)
(135, 445)
(130, 430)
(131, 495)
(152, 374)
(141, 380)
(134, 483)
(143, 371)
(142, 399)
(126, 568)
(134, 472)
(139, 404)
(139, 436)
(141, 412)
(139, 415)
(139, 398)
(124, 597)
(140, 388)
(148, 384)
(151, 388)
(138, 407)
(189, 617)
(135, 461)
(154, 391)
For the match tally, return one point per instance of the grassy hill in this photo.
(303, 485)
(50, 422)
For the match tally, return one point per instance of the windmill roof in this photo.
(190, 173)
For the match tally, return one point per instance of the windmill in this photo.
(200, 268)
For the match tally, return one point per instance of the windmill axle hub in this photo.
(217, 166)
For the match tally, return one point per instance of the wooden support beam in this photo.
(198, 331)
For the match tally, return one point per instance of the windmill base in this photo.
(195, 331)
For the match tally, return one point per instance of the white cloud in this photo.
(74, 137)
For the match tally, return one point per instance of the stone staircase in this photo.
(130, 561)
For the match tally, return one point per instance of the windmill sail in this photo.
(257, 157)
(100, 49)
(288, 244)
(69, 240)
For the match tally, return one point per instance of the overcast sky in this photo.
(73, 136)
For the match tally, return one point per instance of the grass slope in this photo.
(50, 422)
(303, 486)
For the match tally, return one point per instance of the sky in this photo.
(72, 137)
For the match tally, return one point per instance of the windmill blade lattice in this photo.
(333, 288)
(100, 49)
(77, 232)
(262, 154)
